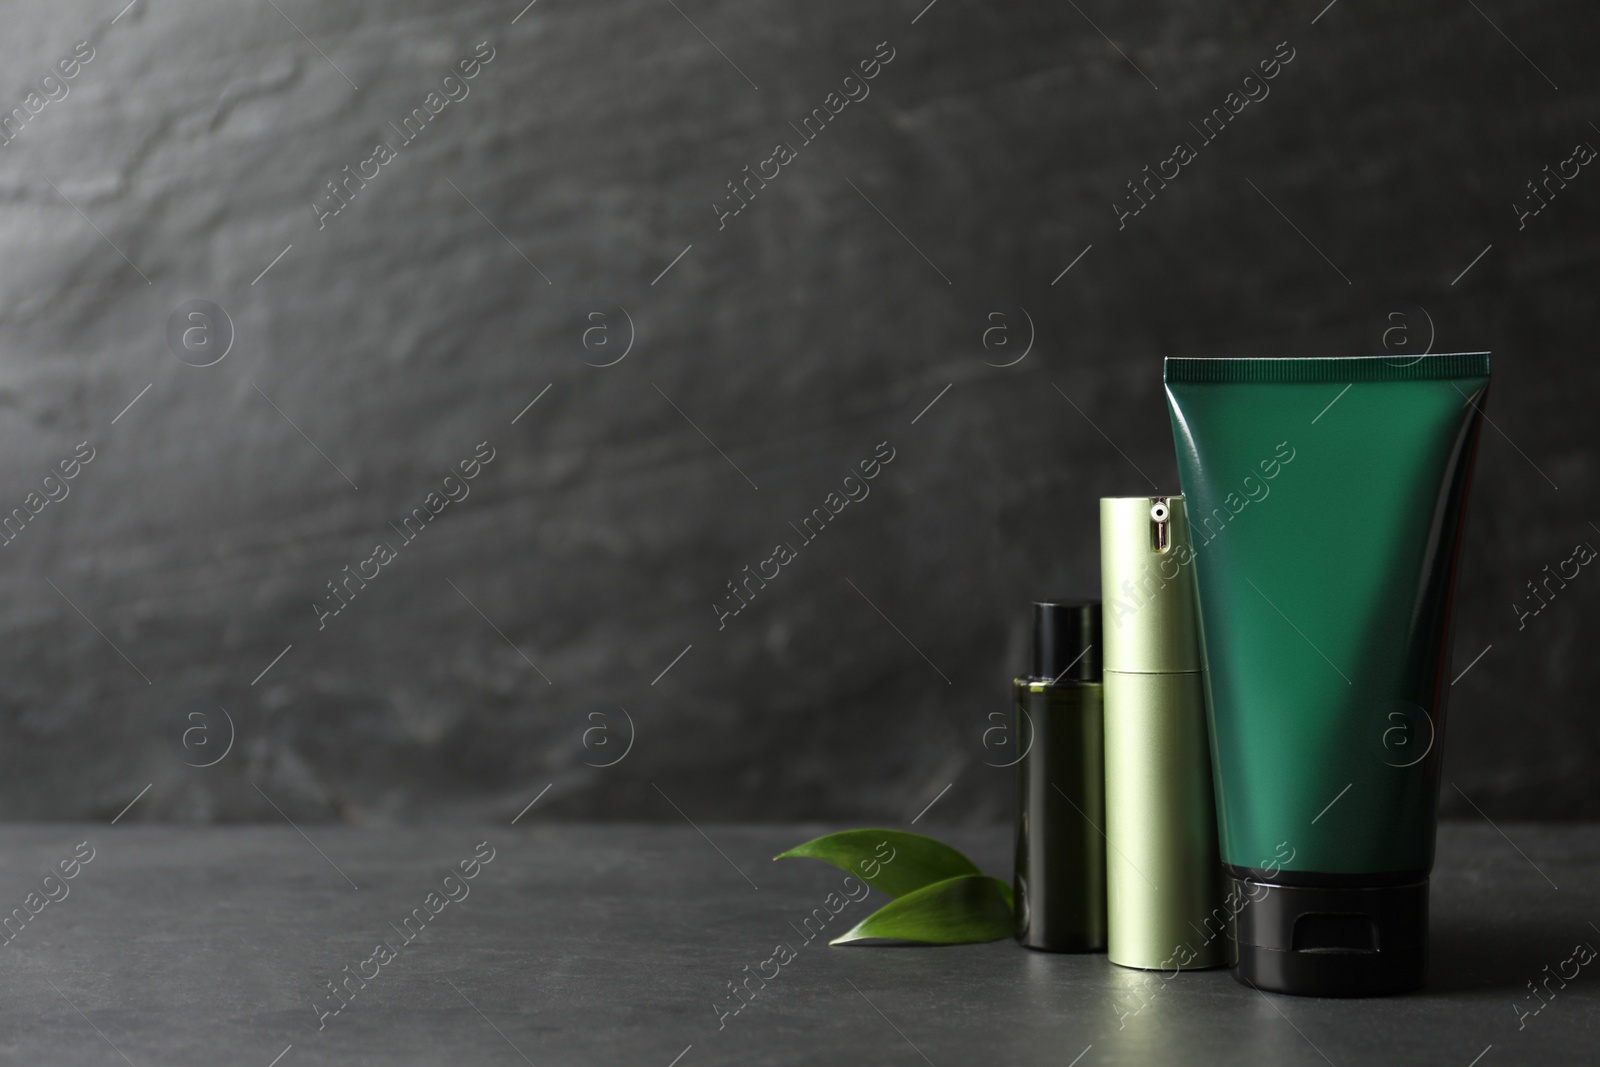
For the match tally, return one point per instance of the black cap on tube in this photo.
(1066, 640)
(1332, 941)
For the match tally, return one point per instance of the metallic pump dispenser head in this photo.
(1151, 608)
(1164, 877)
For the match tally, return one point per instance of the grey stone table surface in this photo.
(616, 944)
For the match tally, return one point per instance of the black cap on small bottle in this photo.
(1337, 941)
(1066, 640)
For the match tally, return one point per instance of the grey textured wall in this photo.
(581, 172)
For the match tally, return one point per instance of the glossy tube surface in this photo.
(1326, 499)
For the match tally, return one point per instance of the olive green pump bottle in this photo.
(1164, 877)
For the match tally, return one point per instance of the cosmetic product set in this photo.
(1233, 757)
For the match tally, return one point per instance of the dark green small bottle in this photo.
(1060, 880)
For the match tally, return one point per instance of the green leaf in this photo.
(955, 911)
(892, 861)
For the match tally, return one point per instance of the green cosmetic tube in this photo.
(1326, 498)
(1163, 880)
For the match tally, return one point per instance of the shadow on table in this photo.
(1467, 958)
